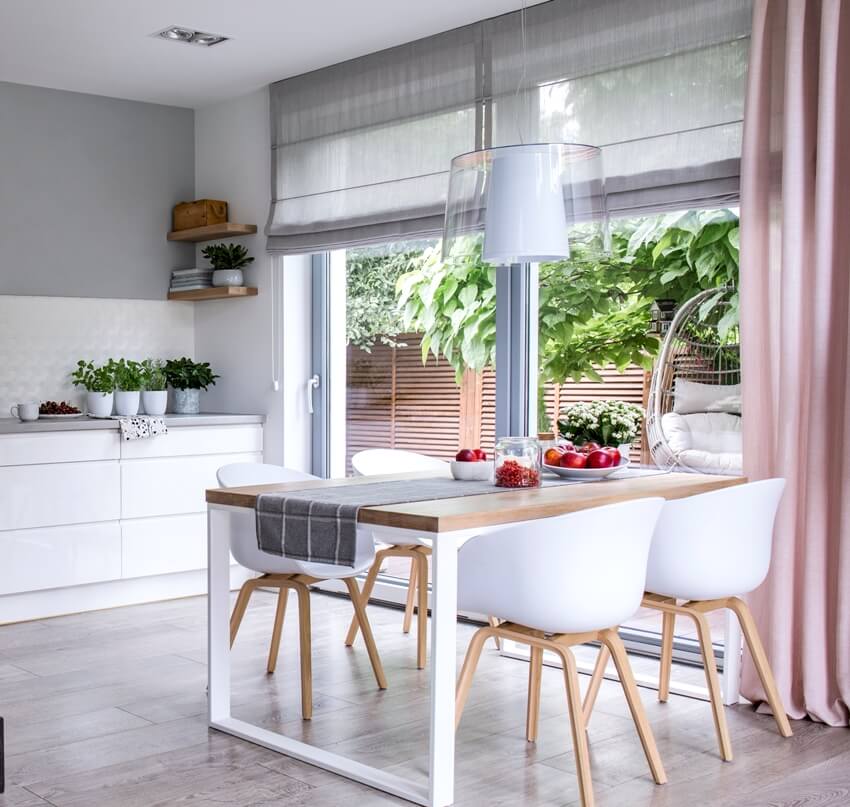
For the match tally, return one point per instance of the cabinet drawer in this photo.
(53, 557)
(184, 441)
(52, 495)
(161, 487)
(46, 447)
(163, 545)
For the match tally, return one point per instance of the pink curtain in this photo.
(795, 333)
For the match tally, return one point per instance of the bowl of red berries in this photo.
(471, 465)
(58, 410)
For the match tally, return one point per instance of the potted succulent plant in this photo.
(154, 387)
(99, 383)
(128, 386)
(187, 378)
(228, 261)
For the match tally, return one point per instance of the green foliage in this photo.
(127, 374)
(94, 378)
(153, 375)
(227, 256)
(453, 304)
(187, 374)
(594, 309)
(372, 313)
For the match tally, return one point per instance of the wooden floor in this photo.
(108, 709)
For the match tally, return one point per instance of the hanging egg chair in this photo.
(694, 408)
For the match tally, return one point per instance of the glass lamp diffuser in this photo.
(525, 199)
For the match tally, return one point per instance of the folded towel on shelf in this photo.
(141, 427)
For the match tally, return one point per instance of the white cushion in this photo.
(709, 442)
(690, 397)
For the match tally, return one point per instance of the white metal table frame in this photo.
(438, 791)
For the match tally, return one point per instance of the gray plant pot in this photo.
(187, 401)
(228, 277)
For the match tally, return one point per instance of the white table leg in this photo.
(218, 613)
(732, 646)
(443, 670)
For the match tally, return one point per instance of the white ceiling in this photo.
(103, 46)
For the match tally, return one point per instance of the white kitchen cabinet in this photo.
(198, 440)
(59, 493)
(171, 485)
(53, 557)
(47, 447)
(163, 545)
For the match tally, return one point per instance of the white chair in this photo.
(284, 574)
(559, 582)
(375, 461)
(708, 550)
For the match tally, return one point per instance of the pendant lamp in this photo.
(524, 199)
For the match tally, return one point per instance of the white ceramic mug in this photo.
(25, 411)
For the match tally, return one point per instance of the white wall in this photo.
(232, 162)
(42, 338)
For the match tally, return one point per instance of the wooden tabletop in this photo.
(499, 507)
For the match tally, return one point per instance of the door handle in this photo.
(312, 383)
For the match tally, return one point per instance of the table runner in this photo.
(319, 525)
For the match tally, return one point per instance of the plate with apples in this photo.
(588, 461)
(471, 465)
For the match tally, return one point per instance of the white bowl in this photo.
(478, 471)
(587, 473)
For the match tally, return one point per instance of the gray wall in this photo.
(87, 184)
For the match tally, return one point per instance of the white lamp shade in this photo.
(526, 218)
(525, 200)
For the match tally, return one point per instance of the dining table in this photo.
(447, 522)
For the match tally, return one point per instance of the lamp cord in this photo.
(522, 76)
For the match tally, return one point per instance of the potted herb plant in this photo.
(228, 261)
(128, 386)
(154, 387)
(187, 378)
(99, 383)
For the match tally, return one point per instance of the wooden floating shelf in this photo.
(214, 293)
(211, 231)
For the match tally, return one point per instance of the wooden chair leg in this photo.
(368, 586)
(412, 582)
(751, 635)
(306, 659)
(366, 630)
(280, 614)
(617, 649)
(494, 622)
(668, 626)
(595, 683)
(580, 748)
(713, 683)
(470, 662)
(242, 599)
(535, 675)
(422, 613)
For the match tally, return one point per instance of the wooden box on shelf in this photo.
(200, 213)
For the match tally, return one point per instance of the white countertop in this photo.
(15, 426)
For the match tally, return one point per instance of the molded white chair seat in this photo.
(705, 442)
(560, 582)
(286, 573)
(708, 550)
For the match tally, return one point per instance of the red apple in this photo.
(573, 459)
(480, 454)
(553, 456)
(466, 455)
(599, 459)
(588, 447)
(614, 452)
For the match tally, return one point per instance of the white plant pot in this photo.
(154, 402)
(625, 450)
(127, 402)
(187, 401)
(228, 277)
(99, 404)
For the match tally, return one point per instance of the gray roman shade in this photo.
(361, 150)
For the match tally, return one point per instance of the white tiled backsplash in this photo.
(42, 338)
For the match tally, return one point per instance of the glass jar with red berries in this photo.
(517, 462)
